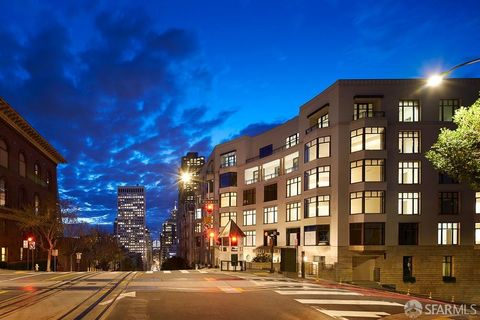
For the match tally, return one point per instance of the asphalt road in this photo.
(187, 294)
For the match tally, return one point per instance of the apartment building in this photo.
(347, 182)
(28, 179)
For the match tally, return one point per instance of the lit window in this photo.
(3, 154)
(271, 169)
(409, 172)
(249, 217)
(447, 108)
(317, 235)
(22, 167)
(447, 266)
(294, 186)
(409, 203)
(249, 239)
(317, 148)
(291, 162)
(448, 233)
(409, 141)
(367, 202)
(3, 193)
(369, 170)
(317, 177)
(477, 202)
(293, 211)
(37, 203)
(3, 254)
(198, 213)
(251, 175)
(408, 111)
(318, 206)
(292, 140)
(228, 199)
(270, 215)
(477, 233)
(227, 216)
(369, 138)
(362, 110)
(228, 159)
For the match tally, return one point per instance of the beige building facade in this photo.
(347, 182)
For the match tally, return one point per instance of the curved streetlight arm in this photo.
(461, 65)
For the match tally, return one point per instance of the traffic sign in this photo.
(25, 244)
(31, 245)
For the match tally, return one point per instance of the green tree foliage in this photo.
(457, 152)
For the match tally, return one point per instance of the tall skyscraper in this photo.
(168, 238)
(130, 230)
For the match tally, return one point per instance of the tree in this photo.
(457, 152)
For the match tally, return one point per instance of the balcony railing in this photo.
(369, 114)
(291, 169)
(270, 176)
(273, 152)
(250, 181)
(323, 124)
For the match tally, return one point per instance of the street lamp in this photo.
(436, 79)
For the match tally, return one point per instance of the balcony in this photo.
(322, 124)
(368, 114)
(291, 169)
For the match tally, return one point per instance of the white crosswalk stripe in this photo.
(167, 271)
(184, 271)
(348, 302)
(341, 314)
(202, 271)
(318, 292)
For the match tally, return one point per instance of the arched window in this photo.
(3, 193)
(3, 154)
(48, 179)
(22, 166)
(37, 203)
(36, 172)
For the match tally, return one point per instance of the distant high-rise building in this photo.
(168, 238)
(130, 230)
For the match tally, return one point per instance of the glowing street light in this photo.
(436, 79)
(186, 177)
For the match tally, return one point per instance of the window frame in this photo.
(273, 210)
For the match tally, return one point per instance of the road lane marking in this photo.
(132, 294)
(30, 275)
(167, 271)
(149, 272)
(1, 292)
(184, 271)
(202, 271)
(349, 302)
(60, 276)
(341, 314)
(318, 292)
(230, 290)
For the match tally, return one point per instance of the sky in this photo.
(123, 89)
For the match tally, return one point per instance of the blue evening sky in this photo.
(123, 89)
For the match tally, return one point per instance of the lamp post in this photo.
(436, 79)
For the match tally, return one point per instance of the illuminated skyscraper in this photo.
(130, 230)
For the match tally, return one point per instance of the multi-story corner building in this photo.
(168, 237)
(28, 178)
(131, 231)
(187, 220)
(347, 182)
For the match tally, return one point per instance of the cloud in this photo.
(114, 104)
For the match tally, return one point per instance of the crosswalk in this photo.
(179, 271)
(343, 304)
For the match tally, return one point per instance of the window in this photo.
(409, 172)
(317, 148)
(477, 233)
(371, 233)
(448, 233)
(292, 140)
(198, 213)
(48, 179)
(198, 229)
(291, 162)
(408, 111)
(408, 234)
(36, 171)
(407, 266)
(447, 108)
(477, 202)
(270, 192)
(317, 177)
(3, 154)
(249, 197)
(228, 179)
(3, 193)
(447, 266)
(270, 215)
(228, 159)
(22, 166)
(3, 254)
(409, 141)
(271, 169)
(265, 151)
(318, 206)
(449, 203)
(369, 138)
(251, 175)
(267, 238)
(445, 179)
(368, 170)
(228, 199)
(409, 203)
(293, 211)
(362, 110)
(367, 202)
(36, 202)
(293, 236)
(323, 121)
(317, 235)
(227, 216)
(249, 217)
(249, 239)
(294, 186)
